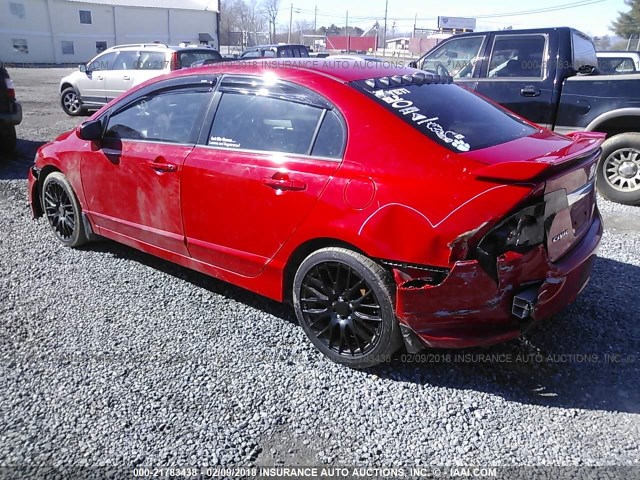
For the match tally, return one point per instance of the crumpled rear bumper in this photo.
(469, 309)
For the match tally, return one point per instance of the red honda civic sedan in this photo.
(387, 204)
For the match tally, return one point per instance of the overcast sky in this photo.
(590, 16)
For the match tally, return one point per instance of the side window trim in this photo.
(314, 139)
(484, 77)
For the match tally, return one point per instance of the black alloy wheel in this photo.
(62, 210)
(343, 302)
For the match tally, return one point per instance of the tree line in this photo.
(251, 22)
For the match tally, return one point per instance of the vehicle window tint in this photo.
(458, 56)
(168, 117)
(611, 65)
(151, 61)
(269, 53)
(256, 122)
(187, 58)
(584, 53)
(450, 115)
(125, 61)
(331, 137)
(517, 56)
(102, 62)
(251, 54)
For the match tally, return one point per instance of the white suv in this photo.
(119, 68)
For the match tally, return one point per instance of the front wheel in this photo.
(62, 209)
(344, 303)
(71, 103)
(619, 169)
(7, 139)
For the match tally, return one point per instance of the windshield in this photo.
(449, 115)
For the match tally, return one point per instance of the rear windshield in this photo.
(189, 57)
(449, 115)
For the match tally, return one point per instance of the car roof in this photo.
(343, 71)
(160, 47)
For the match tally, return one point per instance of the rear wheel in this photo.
(62, 209)
(344, 303)
(7, 139)
(71, 103)
(619, 169)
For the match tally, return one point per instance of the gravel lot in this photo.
(111, 357)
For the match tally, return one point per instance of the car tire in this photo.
(8, 139)
(618, 176)
(62, 210)
(344, 303)
(71, 103)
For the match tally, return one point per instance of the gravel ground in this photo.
(112, 357)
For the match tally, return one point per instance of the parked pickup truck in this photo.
(550, 77)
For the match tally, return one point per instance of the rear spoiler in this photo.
(585, 144)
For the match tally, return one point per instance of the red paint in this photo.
(396, 195)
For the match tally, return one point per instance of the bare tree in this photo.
(231, 11)
(241, 21)
(271, 8)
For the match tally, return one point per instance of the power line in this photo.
(566, 6)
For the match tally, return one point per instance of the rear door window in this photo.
(520, 56)
(152, 61)
(255, 114)
(255, 122)
(584, 53)
(449, 114)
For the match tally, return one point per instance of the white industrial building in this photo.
(73, 31)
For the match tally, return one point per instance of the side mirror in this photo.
(83, 68)
(90, 130)
(413, 64)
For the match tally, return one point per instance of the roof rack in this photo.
(143, 45)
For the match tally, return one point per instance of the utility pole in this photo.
(315, 21)
(415, 25)
(346, 30)
(384, 34)
(290, 24)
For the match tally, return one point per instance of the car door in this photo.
(258, 173)
(121, 77)
(516, 76)
(91, 85)
(461, 57)
(132, 181)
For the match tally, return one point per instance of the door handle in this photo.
(530, 91)
(161, 166)
(100, 77)
(126, 77)
(281, 181)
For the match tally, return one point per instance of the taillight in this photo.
(519, 232)
(11, 93)
(175, 61)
